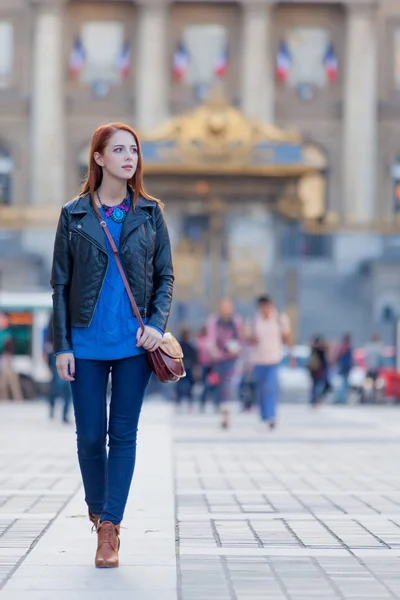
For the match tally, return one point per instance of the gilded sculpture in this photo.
(217, 131)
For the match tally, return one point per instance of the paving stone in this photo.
(311, 512)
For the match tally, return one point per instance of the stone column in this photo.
(360, 114)
(151, 81)
(257, 62)
(47, 106)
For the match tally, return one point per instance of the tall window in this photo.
(6, 167)
(6, 52)
(306, 60)
(100, 56)
(102, 41)
(201, 57)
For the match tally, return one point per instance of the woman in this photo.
(209, 379)
(95, 331)
(225, 334)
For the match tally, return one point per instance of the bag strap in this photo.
(120, 269)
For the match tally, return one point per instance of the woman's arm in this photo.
(60, 282)
(163, 275)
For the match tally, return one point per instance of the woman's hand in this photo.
(65, 363)
(150, 339)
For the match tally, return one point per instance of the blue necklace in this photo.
(118, 212)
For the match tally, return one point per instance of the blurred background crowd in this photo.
(271, 131)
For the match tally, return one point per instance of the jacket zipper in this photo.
(145, 271)
(105, 272)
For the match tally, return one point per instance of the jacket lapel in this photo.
(89, 225)
(135, 219)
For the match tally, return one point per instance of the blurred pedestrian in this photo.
(269, 332)
(10, 386)
(59, 388)
(225, 334)
(208, 377)
(373, 362)
(95, 331)
(184, 387)
(318, 366)
(247, 385)
(344, 363)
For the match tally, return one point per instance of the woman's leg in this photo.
(260, 381)
(89, 399)
(271, 392)
(225, 371)
(205, 369)
(130, 377)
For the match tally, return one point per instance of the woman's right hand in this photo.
(65, 363)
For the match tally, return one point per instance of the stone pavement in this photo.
(311, 510)
(46, 544)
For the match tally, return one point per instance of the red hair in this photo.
(95, 173)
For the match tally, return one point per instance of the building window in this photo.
(6, 52)
(306, 60)
(6, 168)
(201, 57)
(100, 55)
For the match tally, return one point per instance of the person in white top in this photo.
(269, 332)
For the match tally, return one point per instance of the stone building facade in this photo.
(340, 87)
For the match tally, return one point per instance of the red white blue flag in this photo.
(124, 60)
(283, 61)
(181, 62)
(221, 63)
(77, 58)
(331, 63)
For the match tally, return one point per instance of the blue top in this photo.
(112, 333)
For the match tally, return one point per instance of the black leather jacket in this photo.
(80, 264)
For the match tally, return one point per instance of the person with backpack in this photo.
(224, 331)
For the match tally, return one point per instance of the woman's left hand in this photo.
(150, 339)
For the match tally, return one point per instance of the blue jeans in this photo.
(58, 389)
(266, 378)
(107, 478)
(344, 389)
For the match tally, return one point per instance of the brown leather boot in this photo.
(107, 545)
(94, 519)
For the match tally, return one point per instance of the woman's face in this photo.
(120, 156)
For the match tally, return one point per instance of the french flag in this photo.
(221, 63)
(331, 63)
(283, 62)
(77, 58)
(181, 62)
(124, 60)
